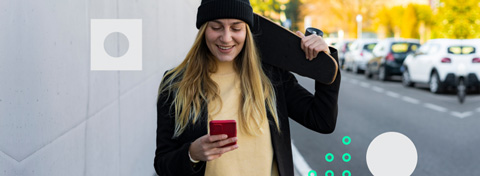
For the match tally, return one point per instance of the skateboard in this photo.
(281, 48)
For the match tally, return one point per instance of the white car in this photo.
(442, 62)
(359, 53)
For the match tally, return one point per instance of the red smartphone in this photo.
(228, 127)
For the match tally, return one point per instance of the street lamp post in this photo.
(359, 26)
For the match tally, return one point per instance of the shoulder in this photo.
(166, 90)
(168, 74)
(276, 75)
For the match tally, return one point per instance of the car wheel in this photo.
(347, 66)
(368, 74)
(406, 81)
(435, 84)
(382, 74)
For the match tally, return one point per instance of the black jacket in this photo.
(317, 112)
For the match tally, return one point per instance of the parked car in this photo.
(388, 57)
(440, 62)
(360, 52)
(342, 48)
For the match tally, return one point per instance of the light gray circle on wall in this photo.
(116, 44)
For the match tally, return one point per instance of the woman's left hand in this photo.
(312, 45)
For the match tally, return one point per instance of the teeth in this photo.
(225, 48)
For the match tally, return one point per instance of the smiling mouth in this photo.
(224, 47)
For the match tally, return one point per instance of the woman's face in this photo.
(225, 38)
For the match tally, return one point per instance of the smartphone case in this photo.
(228, 127)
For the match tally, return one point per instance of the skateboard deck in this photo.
(281, 48)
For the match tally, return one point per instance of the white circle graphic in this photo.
(391, 154)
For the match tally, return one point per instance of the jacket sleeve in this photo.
(317, 112)
(171, 155)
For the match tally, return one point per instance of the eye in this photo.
(237, 28)
(216, 28)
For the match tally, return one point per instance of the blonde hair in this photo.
(192, 86)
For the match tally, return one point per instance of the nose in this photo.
(226, 36)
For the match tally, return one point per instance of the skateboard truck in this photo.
(311, 30)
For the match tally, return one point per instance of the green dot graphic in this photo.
(346, 173)
(329, 172)
(329, 157)
(346, 140)
(312, 173)
(346, 157)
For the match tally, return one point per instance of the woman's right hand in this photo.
(207, 148)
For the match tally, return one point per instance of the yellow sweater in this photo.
(254, 155)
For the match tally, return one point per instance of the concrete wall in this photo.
(59, 118)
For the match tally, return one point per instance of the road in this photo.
(445, 133)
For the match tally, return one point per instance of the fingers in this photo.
(312, 45)
(217, 152)
(222, 142)
(214, 138)
(300, 34)
(227, 141)
(309, 46)
(315, 48)
(207, 148)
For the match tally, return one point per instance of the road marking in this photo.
(461, 114)
(410, 100)
(300, 164)
(364, 84)
(435, 107)
(393, 94)
(378, 89)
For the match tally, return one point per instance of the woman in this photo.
(222, 78)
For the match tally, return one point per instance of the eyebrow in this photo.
(234, 23)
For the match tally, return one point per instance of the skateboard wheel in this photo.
(311, 30)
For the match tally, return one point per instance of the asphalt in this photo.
(445, 132)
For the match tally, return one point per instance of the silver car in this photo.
(360, 52)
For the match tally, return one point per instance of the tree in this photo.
(408, 22)
(334, 15)
(458, 19)
(272, 9)
(292, 13)
(409, 27)
(268, 8)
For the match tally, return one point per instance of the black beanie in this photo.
(218, 9)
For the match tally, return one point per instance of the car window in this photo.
(414, 47)
(468, 50)
(399, 47)
(461, 50)
(378, 50)
(348, 45)
(403, 47)
(369, 46)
